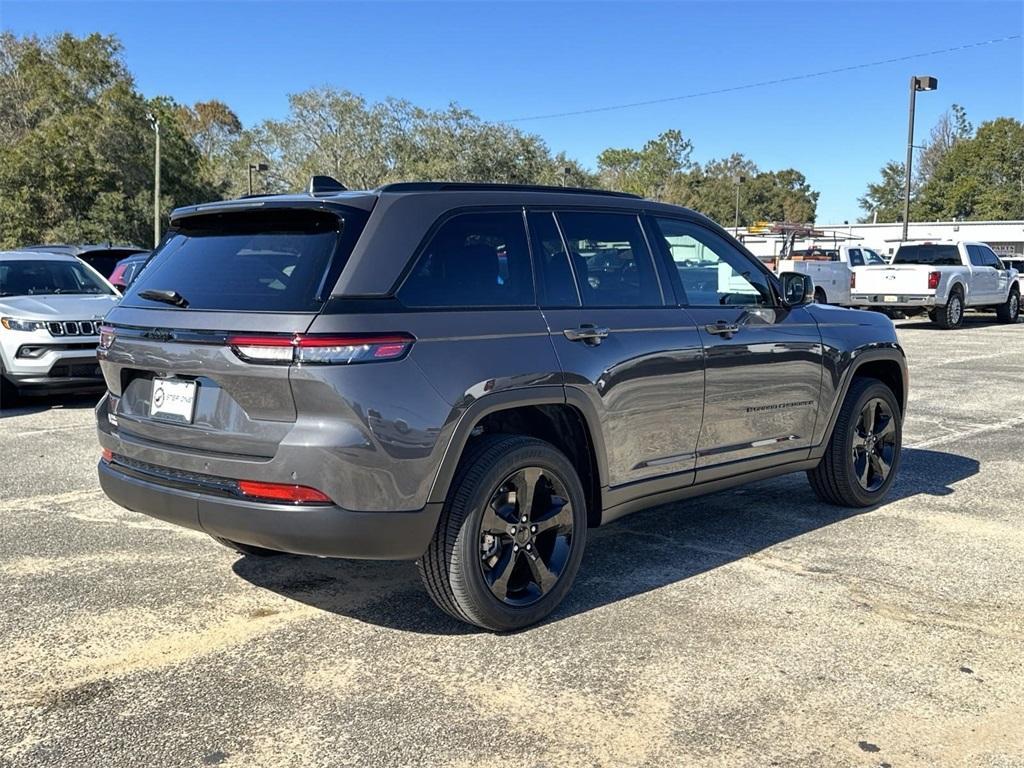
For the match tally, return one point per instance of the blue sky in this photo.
(515, 59)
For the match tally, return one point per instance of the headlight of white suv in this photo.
(14, 324)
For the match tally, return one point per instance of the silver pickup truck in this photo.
(943, 278)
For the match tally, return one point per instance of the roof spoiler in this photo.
(325, 185)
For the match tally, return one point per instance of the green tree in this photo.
(76, 145)
(651, 171)
(883, 200)
(951, 127)
(980, 178)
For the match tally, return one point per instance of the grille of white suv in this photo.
(74, 328)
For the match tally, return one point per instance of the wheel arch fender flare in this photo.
(508, 400)
(890, 357)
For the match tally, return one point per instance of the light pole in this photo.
(736, 223)
(156, 181)
(259, 168)
(917, 83)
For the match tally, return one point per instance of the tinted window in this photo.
(271, 261)
(928, 253)
(610, 258)
(991, 259)
(856, 257)
(473, 260)
(20, 277)
(977, 256)
(711, 270)
(554, 274)
(873, 257)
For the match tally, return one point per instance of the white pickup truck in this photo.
(944, 278)
(833, 270)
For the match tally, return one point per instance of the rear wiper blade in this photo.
(167, 297)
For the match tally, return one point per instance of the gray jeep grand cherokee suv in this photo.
(474, 375)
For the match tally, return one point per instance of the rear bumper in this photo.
(896, 301)
(326, 531)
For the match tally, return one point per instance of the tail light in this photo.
(321, 350)
(294, 494)
(107, 455)
(933, 280)
(853, 280)
(107, 335)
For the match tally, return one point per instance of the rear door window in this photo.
(474, 259)
(267, 261)
(555, 280)
(610, 259)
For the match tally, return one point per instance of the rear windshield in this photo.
(928, 253)
(48, 277)
(281, 260)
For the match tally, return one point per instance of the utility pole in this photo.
(259, 168)
(736, 223)
(917, 83)
(156, 183)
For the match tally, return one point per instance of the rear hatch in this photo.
(174, 355)
(909, 270)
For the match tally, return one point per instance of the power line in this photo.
(763, 83)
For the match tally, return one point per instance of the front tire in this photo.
(1009, 311)
(863, 454)
(951, 315)
(511, 536)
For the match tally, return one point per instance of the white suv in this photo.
(51, 306)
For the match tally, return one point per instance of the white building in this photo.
(1005, 237)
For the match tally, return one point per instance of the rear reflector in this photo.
(107, 455)
(295, 494)
(321, 350)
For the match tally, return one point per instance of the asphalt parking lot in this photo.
(752, 627)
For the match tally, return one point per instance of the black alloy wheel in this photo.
(874, 444)
(526, 536)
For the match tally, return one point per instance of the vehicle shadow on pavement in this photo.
(23, 405)
(640, 553)
(970, 321)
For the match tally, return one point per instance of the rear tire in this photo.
(249, 550)
(863, 453)
(820, 297)
(951, 315)
(486, 564)
(1009, 311)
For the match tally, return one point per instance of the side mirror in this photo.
(797, 289)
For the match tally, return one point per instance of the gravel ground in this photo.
(752, 627)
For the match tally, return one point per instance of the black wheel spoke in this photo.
(863, 467)
(525, 482)
(558, 518)
(498, 516)
(888, 429)
(502, 572)
(543, 576)
(880, 466)
(871, 415)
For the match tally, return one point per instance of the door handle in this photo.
(587, 333)
(723, 329)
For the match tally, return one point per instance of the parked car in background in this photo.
(943, 278)
(102, 258)
(51, 306)
(472, 375)
(128, 269)
(1015, 262)
(833, 270)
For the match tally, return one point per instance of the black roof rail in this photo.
(467, 186)
(325, 185)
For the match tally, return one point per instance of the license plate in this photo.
(890, 299)
(173, 400)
